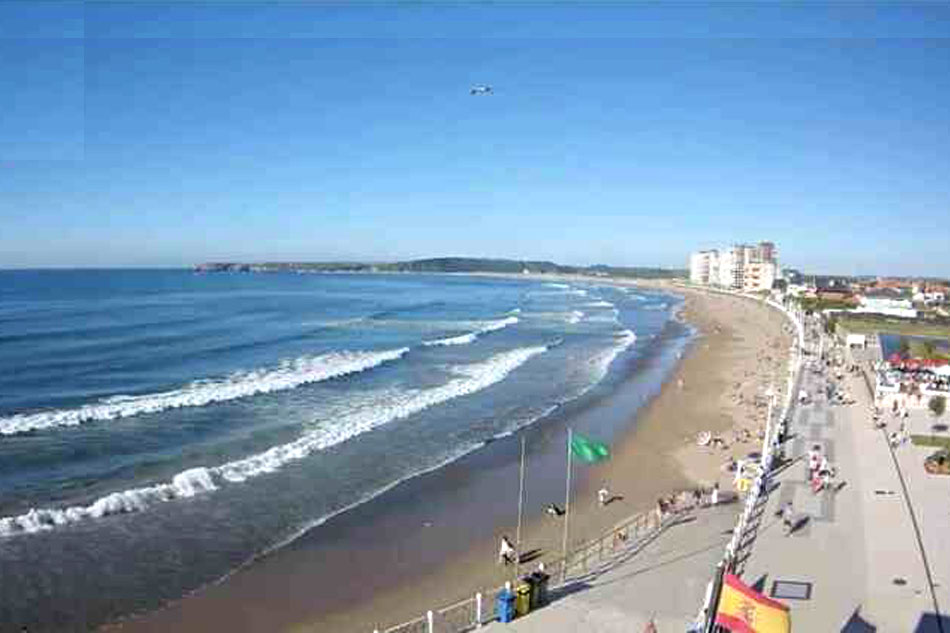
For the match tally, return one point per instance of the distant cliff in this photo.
(447, 265)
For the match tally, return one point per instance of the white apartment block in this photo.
(740, 267)
(704, 267)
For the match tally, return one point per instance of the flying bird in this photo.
(480, 89)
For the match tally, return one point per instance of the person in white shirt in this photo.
(506, 555)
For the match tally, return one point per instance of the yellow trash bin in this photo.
(523, 599)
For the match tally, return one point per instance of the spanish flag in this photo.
(743, 610)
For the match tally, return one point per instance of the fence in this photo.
(627, 537)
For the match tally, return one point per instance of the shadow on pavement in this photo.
(857, 624)
(566, 590)
(932, 623)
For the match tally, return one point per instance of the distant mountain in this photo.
(448, 265)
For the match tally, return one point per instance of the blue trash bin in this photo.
(505, 606)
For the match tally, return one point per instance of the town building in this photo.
(704, 268)
(887, 303)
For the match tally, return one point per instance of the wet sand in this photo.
(433, 540)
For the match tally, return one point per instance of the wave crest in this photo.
(465, 339)
(288, 375)
(469, 379)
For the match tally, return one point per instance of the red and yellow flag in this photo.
(744, 610)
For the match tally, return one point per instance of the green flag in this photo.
(588, 450)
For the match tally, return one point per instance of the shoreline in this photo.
(420, 567)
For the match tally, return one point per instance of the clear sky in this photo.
(163, 134)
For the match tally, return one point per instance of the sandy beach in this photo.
(433, 540)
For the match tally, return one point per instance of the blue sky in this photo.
(164, 134)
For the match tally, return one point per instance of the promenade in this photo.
(853, 560)
(665, 580)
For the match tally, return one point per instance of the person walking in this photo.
(603, 495)
(506, 555)
(788, 515)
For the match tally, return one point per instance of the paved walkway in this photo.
(857, 547)
(666, 580)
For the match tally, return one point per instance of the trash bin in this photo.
(505, 606)
(541, 584)
(532, 583)
(523, 599)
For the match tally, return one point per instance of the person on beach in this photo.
(714, 498)
(603, 495)
(506, 555)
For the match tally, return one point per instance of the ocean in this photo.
(159, 429)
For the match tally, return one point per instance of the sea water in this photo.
(159, 429)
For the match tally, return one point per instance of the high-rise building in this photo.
(740, 267)
(704, 267)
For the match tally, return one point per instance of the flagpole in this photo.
(520, 512)
(567, 504)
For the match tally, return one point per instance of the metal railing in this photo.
(584, 559)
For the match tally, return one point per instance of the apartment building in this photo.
(741, 267)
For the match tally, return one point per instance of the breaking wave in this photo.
(287, 375)
(185, 484)
(624, 340)
(599, 304)
(469, 379)
(465, 339)
(575, 316)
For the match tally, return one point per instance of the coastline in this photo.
(406, 552)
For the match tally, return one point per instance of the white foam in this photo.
(599, 304)
(288, 375)
(465, 339)
(602, 361)
(575, 316)
(378, 411)
(374, 412)
(185, 484)
(558, 286)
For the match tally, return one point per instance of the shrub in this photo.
(938, 404)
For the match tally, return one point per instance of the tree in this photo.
(929, 348)
(938, 404)
(831, 324)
